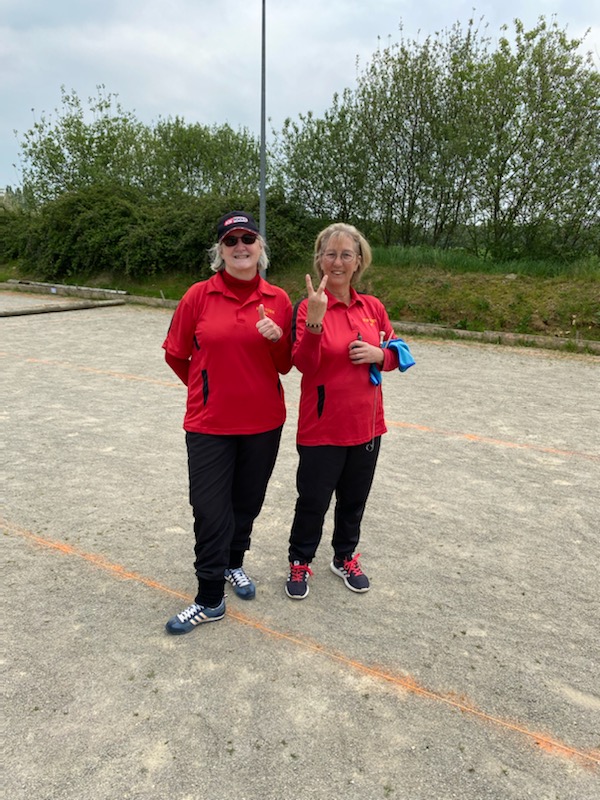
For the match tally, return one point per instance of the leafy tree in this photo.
(114, 148)
(321, 163)
(456, 123)
(540, 168)
(394, 97)
(443, 141)
(446, 138)
(71, 153)
(197, 159)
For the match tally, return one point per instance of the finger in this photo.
(309, 285)
(323, 284)
(261, 312)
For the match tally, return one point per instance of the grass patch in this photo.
(458, 261)
(448, 288)
(518, 303)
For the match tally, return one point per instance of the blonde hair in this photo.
(361, 246)
(216, 259)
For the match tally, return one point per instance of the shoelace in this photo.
(298, 572)
(190, 611)
(353, 567)
(239, 577)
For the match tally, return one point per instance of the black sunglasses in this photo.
(246, 238)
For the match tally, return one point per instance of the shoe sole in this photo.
(341, 575)
(297, 596)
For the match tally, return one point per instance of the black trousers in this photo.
(228, 482)
(323, 470)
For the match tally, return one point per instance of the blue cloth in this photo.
(405, 359)
(374, 375)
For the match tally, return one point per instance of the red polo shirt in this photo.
(338, 403)
(233, 385)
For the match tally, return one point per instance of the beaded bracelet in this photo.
(313, 325)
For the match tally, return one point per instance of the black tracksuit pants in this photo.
(228, 482)
(323, 470)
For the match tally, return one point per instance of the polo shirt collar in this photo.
(355, 299)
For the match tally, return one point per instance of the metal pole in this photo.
(262, 224)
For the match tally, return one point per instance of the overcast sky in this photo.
(200, 59)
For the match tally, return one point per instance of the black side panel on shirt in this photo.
(320, 399)
(294, 318)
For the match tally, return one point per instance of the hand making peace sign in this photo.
(317, 301)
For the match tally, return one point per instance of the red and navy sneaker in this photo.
(349, 570)
(297, 582)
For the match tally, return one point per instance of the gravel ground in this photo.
(469, 671)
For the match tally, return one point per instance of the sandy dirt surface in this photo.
(469, 671)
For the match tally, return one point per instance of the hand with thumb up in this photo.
(266, 327)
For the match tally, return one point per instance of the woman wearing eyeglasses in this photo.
(337, 337)
(229, 341)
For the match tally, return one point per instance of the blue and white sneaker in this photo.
(243, 586)
(194, 615)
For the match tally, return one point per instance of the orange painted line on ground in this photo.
(589, 759)
(95, 371)
(475, 437)
(97, 560)
(408, 684)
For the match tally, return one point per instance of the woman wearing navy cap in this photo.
(229, 341)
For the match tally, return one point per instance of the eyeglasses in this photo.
(347, 256)
(246, 238)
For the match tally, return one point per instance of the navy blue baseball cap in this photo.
(236, 221)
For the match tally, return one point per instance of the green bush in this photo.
(83, 232)
(121, 231)
(290, 232)
(14, 226)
